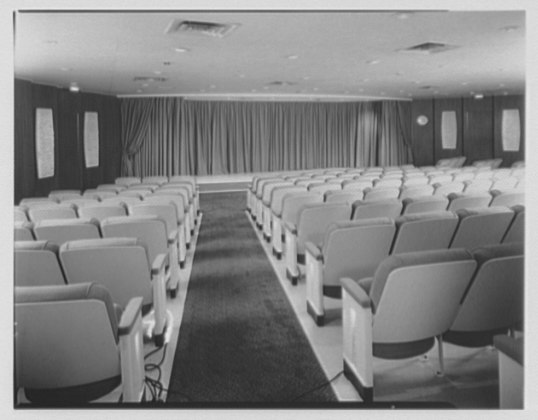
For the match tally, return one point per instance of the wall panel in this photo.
(441, 105)
(68, 111)
(422, 135)
(477, 128)
(501, 103)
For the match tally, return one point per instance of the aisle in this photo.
(240, 341)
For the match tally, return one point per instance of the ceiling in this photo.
(324, 55)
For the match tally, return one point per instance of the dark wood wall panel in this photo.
(441, 105)
(501, 103)
(422, 135)
(477, 128)
(68, 110)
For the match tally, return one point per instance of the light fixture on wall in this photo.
(422, 120)
(74, 87)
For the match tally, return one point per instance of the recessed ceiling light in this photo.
(66, 69)
(361, 90)
(157, 72)
(403, 15)
(365, 80)
(417, 82)
(315, 88)
(292, 57)
(479, 96)
(435, 92)
(371, 62)
(145, 85)
(212, 86)
(181, 50)
(139, 91)
(253, 90)
(266, 87)
(464, 83)
(306, 77)
(501, 84)
(241, 75)
(505, 93)
(74, 87)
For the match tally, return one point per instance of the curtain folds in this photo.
(170, 135)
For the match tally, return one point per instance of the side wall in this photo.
(68, 111)
(479, 128)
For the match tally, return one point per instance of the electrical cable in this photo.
(318, 387)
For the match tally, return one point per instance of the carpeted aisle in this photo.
(240, 341)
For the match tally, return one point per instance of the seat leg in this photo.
(441, 371)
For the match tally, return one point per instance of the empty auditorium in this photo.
(278, 208)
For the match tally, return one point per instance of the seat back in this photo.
(263, 181)
(183, 178)
(100, 211)
(340, 196)
(468, 200)
(54, 211)
(22, 231)
(507, 183)
(268, 188)
(356, 185)
(314, 219)
(478, 185)
(416, 191)
(121, 265)
(127, 180)
(414, 180)
(19, 214)
(181, 191)
(150, 229)
(36, 201)
(159, 180)
(66, 346)
(493, 302)
(381, 193)
(424, 231)
(371, 209)
(280, 193)
(462, 177)
(355, 248)
(61, 195)
(36, 264)
(444, 190)
(516, 230)
(122, 200)
(60, 231)
(115, 188)
(293, 202)
(424, 204)
(323, 188)
(439, 179)
(80, 202)
(479, 227)
(388, 182)
(507, 198)
(177, 200)
(415, 296)
(165, 211)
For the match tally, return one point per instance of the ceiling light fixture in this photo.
(479, 96)
(372, 62)
(74, 87)
(292, 57)
(181, 50)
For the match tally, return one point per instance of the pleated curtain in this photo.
(171, 135)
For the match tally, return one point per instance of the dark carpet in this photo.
(240, 341)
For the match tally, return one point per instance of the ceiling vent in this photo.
(217, 30)
(281, 83)
(149, 79)
(428, 48)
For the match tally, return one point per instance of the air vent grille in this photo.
(149, 79)
(428, 48)
(218, 30)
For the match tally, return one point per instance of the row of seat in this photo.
(465, 228)
(414, 299)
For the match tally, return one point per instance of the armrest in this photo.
(172, 237)
(129, 316)
(495, 193)
(356, 292)
(314, 251)
(291, 227)
(160, 262)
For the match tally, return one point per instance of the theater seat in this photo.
(493, 303)
(507, 198)
(424, 231)
(60, 231)
(101, 210)
(152, 231)
(381, 193)
(71, 349)
(353, 248)
(363, 209)
(348, 197)
(460, 201)
(127, 180)
(313, 220)
(424, 204)
(123, 267)
(159, 180)
(479, 227)
(36, 263)
(416, 191)
(23, 231)
(53, 211)
(411, 299)
(20, 215)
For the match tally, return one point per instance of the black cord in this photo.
(318, 387)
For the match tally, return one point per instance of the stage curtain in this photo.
(393, 143)
(177, 136)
